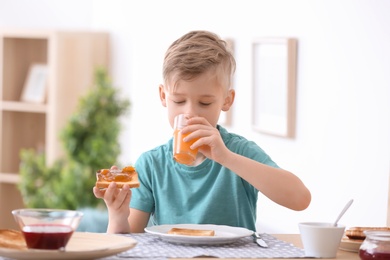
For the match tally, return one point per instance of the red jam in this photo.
(47, 236)
(364, 255)
(376, 245)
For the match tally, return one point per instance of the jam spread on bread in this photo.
(127, 175)
(112, 175)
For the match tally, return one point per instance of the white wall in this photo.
(342, 145)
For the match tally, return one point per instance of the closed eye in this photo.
(205, 104)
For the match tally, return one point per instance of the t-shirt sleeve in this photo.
(142, 197)
(251, 150)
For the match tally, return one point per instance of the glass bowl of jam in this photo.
(376, 245)
(47, 228)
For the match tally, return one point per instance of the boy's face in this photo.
(203, 96)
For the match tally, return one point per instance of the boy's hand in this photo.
(116, 199)
(210, 142)
(117, 202)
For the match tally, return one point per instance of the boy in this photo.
(222, 185)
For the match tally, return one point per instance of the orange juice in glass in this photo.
(182, 153)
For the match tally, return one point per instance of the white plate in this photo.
(223, 234)
(81, 246)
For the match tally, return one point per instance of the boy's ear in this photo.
(162, 95)
(229, 99)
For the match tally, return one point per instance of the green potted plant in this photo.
(90, 141)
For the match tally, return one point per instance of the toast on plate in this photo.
(357, 233)
(191, 232)
(12, 239)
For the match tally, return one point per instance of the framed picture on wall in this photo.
(34, 89)
(274, 86)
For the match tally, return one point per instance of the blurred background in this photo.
(341, 149)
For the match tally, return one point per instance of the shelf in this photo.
(16, 106)
(12, 178)
(26, 33)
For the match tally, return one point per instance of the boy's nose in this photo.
(189, 111)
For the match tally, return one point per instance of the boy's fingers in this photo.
(98, 193)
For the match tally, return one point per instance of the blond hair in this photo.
(195, 53)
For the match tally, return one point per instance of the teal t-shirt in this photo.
(204, 194)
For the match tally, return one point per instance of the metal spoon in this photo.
(259, 240)
(342, 212)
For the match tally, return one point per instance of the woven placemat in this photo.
(153, 247)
